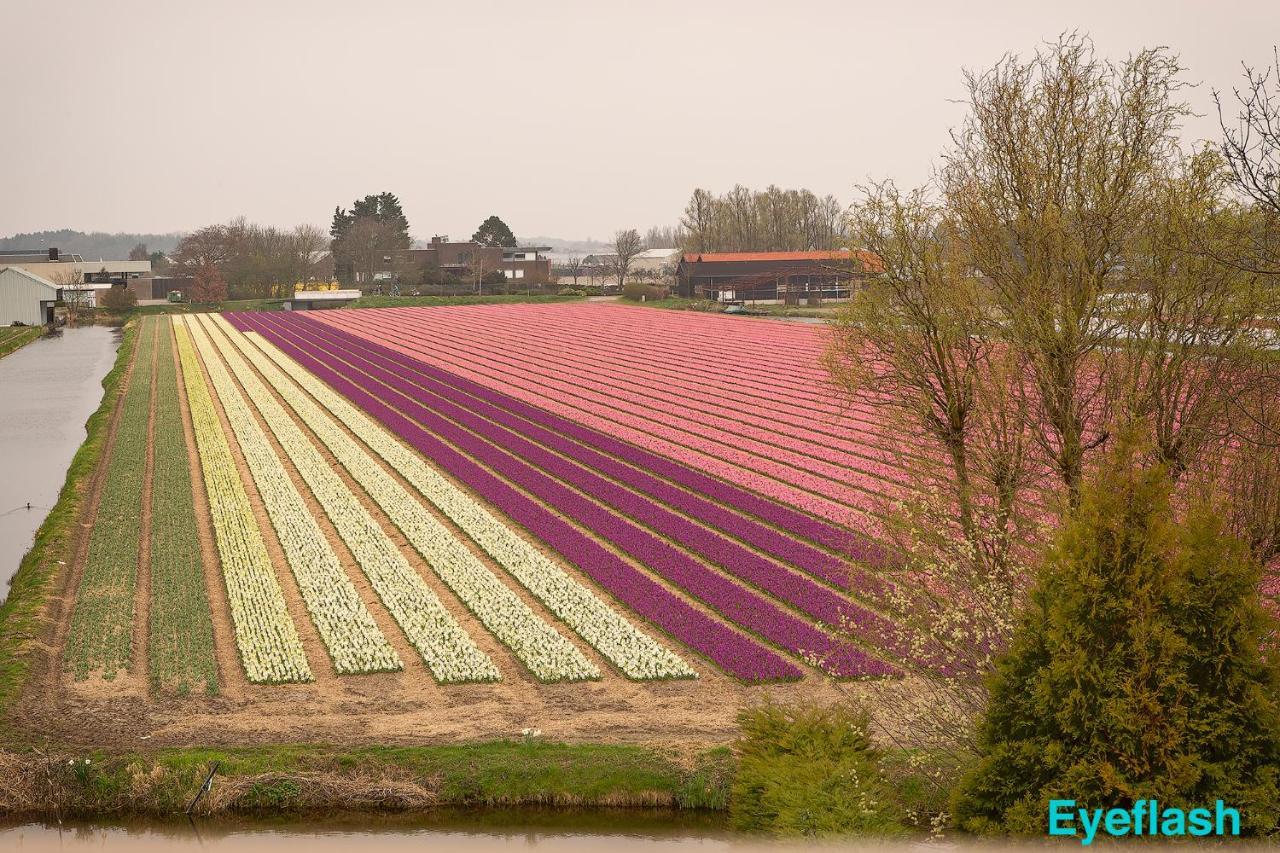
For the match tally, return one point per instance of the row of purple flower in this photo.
(372, 376)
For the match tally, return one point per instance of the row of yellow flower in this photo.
(540, 647)
(445, 646)
(265, 634)
(346, 627)
(634, 653)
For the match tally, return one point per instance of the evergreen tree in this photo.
(391, 231)
(1138, 671)
(494, 232)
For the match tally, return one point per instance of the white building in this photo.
(25, 298)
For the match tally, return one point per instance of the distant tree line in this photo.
(769, 220)
(91, 246)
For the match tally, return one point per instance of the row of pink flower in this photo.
(717, 381)
(763, 373)
(756, 467)
(548, 477)
(709, 501)
(714, 387)
(634, 388)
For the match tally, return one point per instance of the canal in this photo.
(48, 389)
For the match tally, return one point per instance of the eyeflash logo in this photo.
(1145, 818)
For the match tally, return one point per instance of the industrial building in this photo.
(26, 298)
(67, 268)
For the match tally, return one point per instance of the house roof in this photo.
(37, 279)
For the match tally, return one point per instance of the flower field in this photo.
(471, 495)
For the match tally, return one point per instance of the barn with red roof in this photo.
(796, 278)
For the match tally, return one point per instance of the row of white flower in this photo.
(445, 646)
(636, 654)
(539, 646)
(353, 639)
(265, 634)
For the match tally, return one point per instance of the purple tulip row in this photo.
(737, 603)
(725, 505)
(733, 652)
(529, 442)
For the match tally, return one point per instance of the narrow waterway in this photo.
(473, 830)
(48, 389)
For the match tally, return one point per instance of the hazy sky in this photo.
(565, 118)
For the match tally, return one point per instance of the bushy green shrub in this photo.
(118, 299)
(809, 770)
(1138, 672)
(638, 291)
(571, 291)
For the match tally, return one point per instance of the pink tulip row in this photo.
(768, 469)
(626, 518)
(633, 387)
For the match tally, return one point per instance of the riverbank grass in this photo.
(30, 586)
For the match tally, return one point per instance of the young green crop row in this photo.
(180, 648)
(101, 636)
(637, 655)
(347, 628)
(265, 634)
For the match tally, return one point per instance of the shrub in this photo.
(637, 291)
(809, 770)
(1138, 672)
(118, 300)
(571, 291)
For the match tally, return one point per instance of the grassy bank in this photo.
(30, 587)
(676, 303)
(293, 779)
(16, 337)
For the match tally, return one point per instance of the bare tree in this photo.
(917, 343)
(1190, 325)
(1047, 182)
(1252, 145)
(574, 267)
(697, 221)
(71, 284)
(626, 245)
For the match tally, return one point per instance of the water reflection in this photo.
(48, 389)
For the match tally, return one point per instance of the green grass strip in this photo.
(21, 612)
(102, 622)
(181, 631)
(16, 337)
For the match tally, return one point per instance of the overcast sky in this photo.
(570, 119)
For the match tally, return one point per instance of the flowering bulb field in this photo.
(490, 499)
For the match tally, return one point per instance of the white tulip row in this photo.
(539, 646)
(353, 639)
(636, 655)
(444, 645)
(265, 634)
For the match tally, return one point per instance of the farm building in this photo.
(789, 277)
(25, 298)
